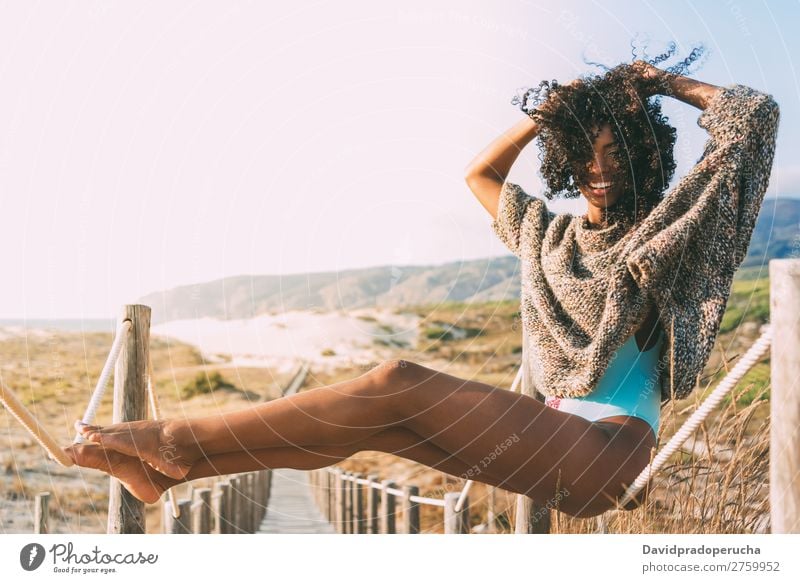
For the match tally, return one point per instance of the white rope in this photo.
(467, 486)
(753, 355)
(100, 388)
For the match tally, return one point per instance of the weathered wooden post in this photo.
(387, 508)
(201, 511)
(491, 515)
(373, 505)
(236, 504)
(410, 510)
(348, 503)
(455, 522)
(41, 513)
(221, 509)
(250, 501)
(264, 493)
(182, 524)
(358, 504)
(125, 512)
(530, 517)
(338, 497)
(331, 496)
(784, 446)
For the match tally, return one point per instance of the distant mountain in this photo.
(776, 232)
(497, 278)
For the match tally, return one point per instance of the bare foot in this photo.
(141, 480)
(155, 442)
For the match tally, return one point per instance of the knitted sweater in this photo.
(586, 289)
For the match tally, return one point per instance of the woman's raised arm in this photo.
(486, 174)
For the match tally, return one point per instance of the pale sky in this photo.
(145, 145)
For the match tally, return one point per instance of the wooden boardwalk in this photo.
(291, 508)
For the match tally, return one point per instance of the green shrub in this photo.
(437, 333)
(203, 384)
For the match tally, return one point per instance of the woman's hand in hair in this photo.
(651, 79)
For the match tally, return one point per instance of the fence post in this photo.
(262, 495)
(221, 508)
(410, 510)
(331, 496)
(373, 505)
(784, 450)
(125, 512)
(530, 518)
(41, 513)
(236, 504)
(182, 524)
(250, 500)
(455, 522)
(387, 508)
(348, 503)
(201, 511)
(491, 516)
(358, 504)
(339, 499)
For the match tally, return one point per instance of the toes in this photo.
(82, 427)
(88, 456)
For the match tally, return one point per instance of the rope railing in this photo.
(342, 496)
(37, 431)
(751, 357)
(100, 389)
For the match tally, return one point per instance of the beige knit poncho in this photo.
(586, 290)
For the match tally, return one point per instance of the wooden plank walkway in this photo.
(291, 508)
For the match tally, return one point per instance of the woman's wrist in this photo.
(691, 91)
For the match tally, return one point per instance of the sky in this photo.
(146, 145)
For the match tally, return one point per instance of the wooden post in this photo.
(125, 512)
(331, 496)
(373, 505)
(262, 496)
(236, 504)
(41, 513)
(358, 504)
(339, 500)
(410, 510)
(182, 524)
(784, 450)
(201, 511)
(249, 501)
(221, 508)
(387, 508)
(348, 503)
(455, 522)
(255, 501)
(491, 515)
(530, 517)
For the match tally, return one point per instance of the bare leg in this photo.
(326, 415)
(539, 451)
(148, 485)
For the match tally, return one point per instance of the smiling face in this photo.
(600, 183)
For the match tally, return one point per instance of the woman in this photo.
(589, 283)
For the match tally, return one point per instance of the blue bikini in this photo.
(630, 386)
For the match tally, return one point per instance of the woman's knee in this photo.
(393, 374)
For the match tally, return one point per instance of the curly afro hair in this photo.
(570, 117)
